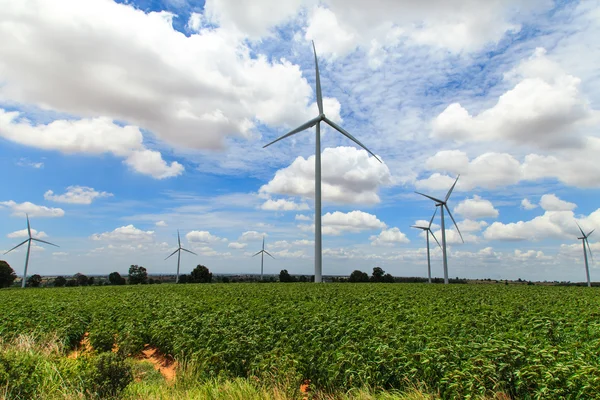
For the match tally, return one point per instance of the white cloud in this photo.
(128, 233)
(251, 236)
(337, 223)
(469, 225)
(24, 162)
(476, 208)
(550, 202)
(60, 254)
(202, 237)
(389, 237)
(545, 109)
(89, 136)
(237, 245)
(33, 210)
(23, 234)
(527, 205)
(302, 217)
(76, 195)
(349, 175)
(283, 205)
(161, 224)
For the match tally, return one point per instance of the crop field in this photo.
(450, 341)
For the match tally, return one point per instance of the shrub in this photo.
(111, 373)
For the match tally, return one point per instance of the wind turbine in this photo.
(28, 241)
(441, 204)
(428, 231)
(584, 241)
(178, 251)
(317, 121)
(262, 258)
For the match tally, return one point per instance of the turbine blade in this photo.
(302, 127)
(349, 136)
(429, 197)
(432, 217)
(172, 254)
(178, 238)
(257, 253)
(580, 230)
(418, 227)
(319, 94)
(189, 251)
(458, 230)
(43, 241)
(263, 243)
(19, 245)
(269, 254)
(28, 226)
(430, 231)
(588, 235)
(452, 188)
(589, 248)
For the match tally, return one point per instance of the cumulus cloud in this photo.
(476, 208)
(33, 210)
(24, 234)
(302, 217)
(544, 109)
(161, 224)
(202, 237)
(237, 245)
(283, 205)
(337, 223)
(349, 175)
(389, 237)
(128, 233)
(527, 205)
(550, 202)
(76, 195)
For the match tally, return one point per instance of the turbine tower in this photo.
(262, 258)
(178, 251)
(584, 241)
(444, 204)
(28, 241)
(317, 121)
(428, 231)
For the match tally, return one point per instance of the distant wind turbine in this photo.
(262, 258)
(317, 121)
(28, 241)
(443, 204)
(428, 231)
(584, 241)
(178, 251)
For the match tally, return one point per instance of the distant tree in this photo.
(151, 281)
(91, 280)
(284, 276)
(225, 279)
(388, 278)
(7, 274)
(116, 279)
(184, 278)
(60, 281)
(200, 274)
(34, 280)
(302, 278)
(138, 275)
(377, 275)
(358, 276)
(80, 279)
(71, 283)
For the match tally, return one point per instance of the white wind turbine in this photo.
(178, 251)
(443, 204)
(28, 241)
(262, 258)
(317, 122)
(428, 231)
(584, 241)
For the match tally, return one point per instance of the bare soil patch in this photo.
(166, 365)
(82, 347)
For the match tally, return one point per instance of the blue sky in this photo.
(123, 122)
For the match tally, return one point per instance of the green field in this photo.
(449, 341)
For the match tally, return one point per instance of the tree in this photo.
(7, 274)
(137, 275)
(91, 281)
(388, 278)
(81, 279)
(184, 278)
(201, 274)
(34, 280)
(377, 275)
(358, 276)
(284, 276)
(60, 281)
(116, 279)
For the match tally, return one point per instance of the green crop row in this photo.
(455, 341)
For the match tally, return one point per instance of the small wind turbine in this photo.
(441, 204)
(262, 258)
(178, 251)
(317, 121)
(428, 231)
(584, 241)
(28, 241)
